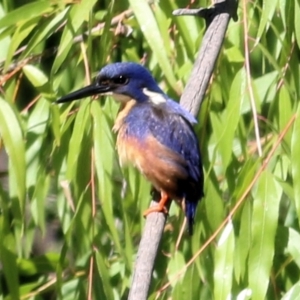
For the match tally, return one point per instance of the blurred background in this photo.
(71, 218)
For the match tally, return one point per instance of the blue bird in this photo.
(154, 133)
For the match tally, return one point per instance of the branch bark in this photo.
(217, 19)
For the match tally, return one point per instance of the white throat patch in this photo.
(155, 98)
(118, 97)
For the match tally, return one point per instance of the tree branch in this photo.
(217, 19)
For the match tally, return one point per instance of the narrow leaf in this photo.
(152, 34)
(11, 133)
(77, 15)
(264, 224)
(8, 261)
(103, 270)
(295, 150)
(293, 293)
(224, 263)
(25, 12)
(297, 22)
(268, 10)
(225, 129)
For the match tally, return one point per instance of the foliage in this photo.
(71, 219)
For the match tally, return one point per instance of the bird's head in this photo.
(124, 81)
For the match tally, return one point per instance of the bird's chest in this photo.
(130, 136)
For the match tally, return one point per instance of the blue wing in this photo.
(170, 126)
(176, 108)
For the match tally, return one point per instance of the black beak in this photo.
(89, 90)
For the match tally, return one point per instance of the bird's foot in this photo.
(160, 207)
(156, 208)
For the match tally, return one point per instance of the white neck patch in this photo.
(155, 98)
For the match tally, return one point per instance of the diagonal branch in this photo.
(217, 19)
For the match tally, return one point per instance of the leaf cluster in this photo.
(71, 218)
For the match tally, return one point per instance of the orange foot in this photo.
(160, 207)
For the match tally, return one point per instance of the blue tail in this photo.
(190, 210)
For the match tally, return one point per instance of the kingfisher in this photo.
(154, 133)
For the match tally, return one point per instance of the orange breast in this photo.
(161, 166)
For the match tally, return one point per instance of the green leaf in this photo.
(266, 202)
(285, 113)
(234, 55)
(262, 84)
(106, 42)
(36, 129)
(268, 10)
(214, 204)
(75, 145)
(5, 41)
(104, 275)
(78, 14)
(295, 150)
(104, 160)
(10, 270)
(45, 31)
(26, 12)
(188, 27)
(20, 34)
(75, 142)
(35, 76)
(225, 128)
(152, 34)
(243, 243)
(293, 293)
(293, 246)
(190, 285)
(224, 259)
(42, 264)
(297, 22)
(245, 294)
(175, 264)
(12, 135)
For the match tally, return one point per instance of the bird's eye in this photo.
(120, 80)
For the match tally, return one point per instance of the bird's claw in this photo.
(156, 208)
(160, 207)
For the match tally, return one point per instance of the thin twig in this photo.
(248, 76)
(217, 19)
(90, 278)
